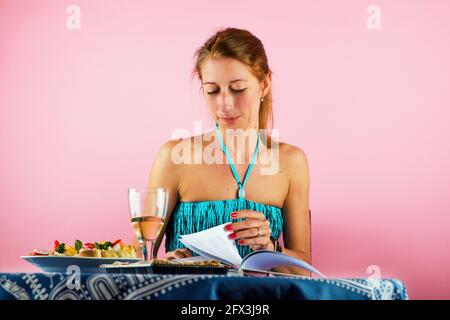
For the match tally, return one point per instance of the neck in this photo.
(240, 143)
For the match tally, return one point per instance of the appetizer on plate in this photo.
(103, 249)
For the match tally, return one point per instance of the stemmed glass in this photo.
(148, 210)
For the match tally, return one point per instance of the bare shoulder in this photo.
(293, 157)
(298, 176)
(179, 152)
(168, 157)
(169, 145)
(166, 150)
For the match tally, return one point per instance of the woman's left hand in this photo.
(253, 231)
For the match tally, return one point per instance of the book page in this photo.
(264, 260)
(213, 242)
(206, 255)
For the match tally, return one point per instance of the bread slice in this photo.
(92, 253)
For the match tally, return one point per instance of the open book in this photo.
(214, 244)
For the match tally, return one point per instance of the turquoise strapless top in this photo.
(190, 217)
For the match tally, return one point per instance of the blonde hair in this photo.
(244, 47)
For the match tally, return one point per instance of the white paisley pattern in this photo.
(39, 286)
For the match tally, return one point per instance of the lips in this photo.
(229, 118)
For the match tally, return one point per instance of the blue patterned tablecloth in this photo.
(55, 286)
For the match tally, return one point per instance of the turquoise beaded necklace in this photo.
(241, 185)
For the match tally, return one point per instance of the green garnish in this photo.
(103, 246)
(78, 245)
(61, 248)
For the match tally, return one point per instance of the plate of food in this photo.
(86, 256)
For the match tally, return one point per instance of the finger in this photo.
(169, 256)
(187, 252)
(180, 253)
(258, 247)
(250, 233)
(250, 223)
(241, 214)
(263, 241)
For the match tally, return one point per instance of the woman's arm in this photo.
(296, 227)
(297, 224)
(165, 173)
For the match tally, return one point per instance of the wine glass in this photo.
(148, 210)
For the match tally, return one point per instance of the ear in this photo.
(266, 85)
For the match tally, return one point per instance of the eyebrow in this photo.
(230, 81)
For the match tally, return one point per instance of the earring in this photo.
(262, 99)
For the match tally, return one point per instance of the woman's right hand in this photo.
(178, 254)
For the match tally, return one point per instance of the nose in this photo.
(225, 101)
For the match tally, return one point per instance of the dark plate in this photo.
(148, 269)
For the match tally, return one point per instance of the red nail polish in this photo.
(232, 236)
(233, 214)
(241, 241)
(229, 227)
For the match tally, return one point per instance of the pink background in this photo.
(83, 112)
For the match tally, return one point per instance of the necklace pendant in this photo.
(241, 193)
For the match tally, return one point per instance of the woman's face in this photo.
(232, 93)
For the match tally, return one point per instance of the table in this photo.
(56, 286)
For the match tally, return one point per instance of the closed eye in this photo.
(233, 90)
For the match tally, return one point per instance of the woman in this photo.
(236, 82)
